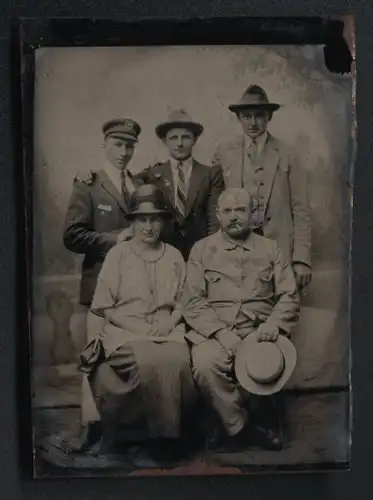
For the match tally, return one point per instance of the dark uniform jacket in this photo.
(95, 216)
(205, 185)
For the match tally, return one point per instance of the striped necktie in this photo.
(181, 190)
(125, 194)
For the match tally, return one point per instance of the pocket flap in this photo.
(266, 274)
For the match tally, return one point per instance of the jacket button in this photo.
(268, 218)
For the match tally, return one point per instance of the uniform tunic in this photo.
(95, 216)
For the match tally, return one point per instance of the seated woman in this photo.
(138, 364)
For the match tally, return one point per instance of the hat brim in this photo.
(290, 355)
(120, 135)
(163, 213)
(271, 106)
(162, 129)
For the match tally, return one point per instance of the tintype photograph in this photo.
(191, 229)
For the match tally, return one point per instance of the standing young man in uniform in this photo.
(96, 221)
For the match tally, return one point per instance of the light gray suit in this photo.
(285, 193)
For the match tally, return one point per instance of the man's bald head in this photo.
(234, 212)
(234, 195)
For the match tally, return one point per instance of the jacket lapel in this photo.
(112, 190)
(166, 182)
(270, 164)
(233, 163)
(195, 184)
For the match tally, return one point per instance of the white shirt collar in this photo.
(187, 164)
(114, 175)
(260, 141)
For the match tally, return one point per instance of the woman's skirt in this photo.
(146, 384)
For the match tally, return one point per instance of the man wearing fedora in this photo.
(191, 188)
(270, 171)
(96, 220)
(241, 302)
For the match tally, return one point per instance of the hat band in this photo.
(145, 208)
(254, 99)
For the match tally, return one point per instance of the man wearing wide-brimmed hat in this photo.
(241, 301)
(191, 188)
(270, 171)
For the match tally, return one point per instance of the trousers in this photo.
(214, 376)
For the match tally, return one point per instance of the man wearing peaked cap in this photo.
(192, 189)
(96, 215)
(96, 212)
(125, 129)
(270, 170)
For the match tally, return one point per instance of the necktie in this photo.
(252, 150)
(181, 190)
(123, 185)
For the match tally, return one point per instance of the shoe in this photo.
(159, 454)
(90, 435)
(142, 459)
(265, 438)
(219, 440)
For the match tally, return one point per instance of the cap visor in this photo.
(119, 135)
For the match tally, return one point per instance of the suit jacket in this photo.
(94, 218)
(205, 185)
(222, 292)
(286, 198)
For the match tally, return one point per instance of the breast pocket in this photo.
(266, 274)
(264, 282)
(105, 217)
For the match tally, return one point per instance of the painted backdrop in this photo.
(77, 89)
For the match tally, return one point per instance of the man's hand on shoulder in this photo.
(125, 235)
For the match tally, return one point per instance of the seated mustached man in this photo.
(241, 301)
